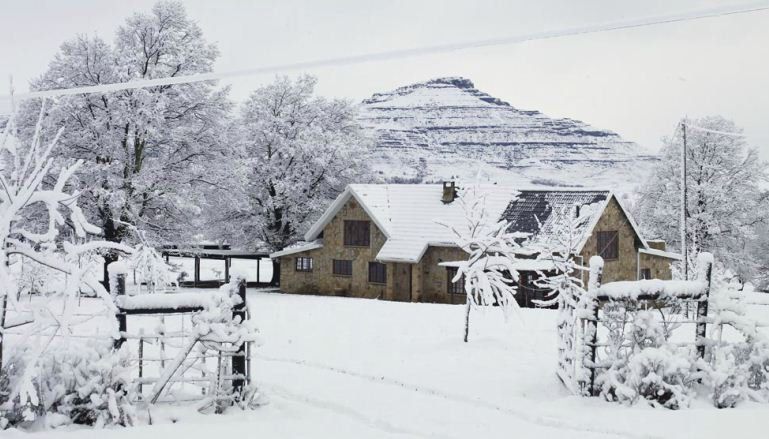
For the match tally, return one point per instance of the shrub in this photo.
(79, 383)
(657, 375)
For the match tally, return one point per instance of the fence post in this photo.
(591, 330)
(239, 359)
(141, 362)
(122, 324)
(702, 306)
(2, 326)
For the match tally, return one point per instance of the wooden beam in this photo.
(197, 270)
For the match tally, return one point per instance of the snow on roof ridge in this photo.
(501, 186)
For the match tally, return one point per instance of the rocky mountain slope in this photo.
(446, 128)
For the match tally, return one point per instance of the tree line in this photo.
(181, 163)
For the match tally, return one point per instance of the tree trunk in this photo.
(467, 318)
(108, 259)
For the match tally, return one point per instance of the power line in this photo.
(708, 130)
(407, 53)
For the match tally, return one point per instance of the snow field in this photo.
(357, 368)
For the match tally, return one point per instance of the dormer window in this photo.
(357, 233)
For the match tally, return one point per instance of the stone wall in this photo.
(431, 282)
(322, 280)
(659, 266)
(625, 267)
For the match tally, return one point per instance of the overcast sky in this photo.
(637, 82)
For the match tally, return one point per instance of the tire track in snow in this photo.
(523, 415)
(379, 424)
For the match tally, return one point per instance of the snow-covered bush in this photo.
(660, 376)
(734, 371)
(151, 269)
(642, 365)
(79, 383)
(34, 207)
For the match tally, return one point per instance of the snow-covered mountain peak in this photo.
(445, 127)
(448, 91)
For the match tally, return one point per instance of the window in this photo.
(377, 273)
(342, 268)
(303, 264)
(646, 273)
(357, 233)
(608, 245)
(457, 287)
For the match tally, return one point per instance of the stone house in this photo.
(391, 241)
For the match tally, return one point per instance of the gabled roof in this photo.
(409, 214)
(537, 211)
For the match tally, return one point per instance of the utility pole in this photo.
(684, 246)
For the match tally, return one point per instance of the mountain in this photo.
(446, 128)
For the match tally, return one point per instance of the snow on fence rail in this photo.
(579, 364)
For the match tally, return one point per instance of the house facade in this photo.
(393, 242)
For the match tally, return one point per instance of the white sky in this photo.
(637, 82)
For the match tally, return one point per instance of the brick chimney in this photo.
(449, 192)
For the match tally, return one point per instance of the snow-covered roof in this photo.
(661, 253)
(409, 214)
(298, 247)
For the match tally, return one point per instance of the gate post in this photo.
(239, 359)
(591, 327)
(122, 324)
(4, 305)
(705, 259)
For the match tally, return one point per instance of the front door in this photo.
(402, 283)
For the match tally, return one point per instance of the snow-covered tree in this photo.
(561, 247)
(151, 269)
(145, 149)
(489, 274)
(24, 188)
(724, 200)
(294, 152)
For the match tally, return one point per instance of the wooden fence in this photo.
(174, 369)
(579, 360)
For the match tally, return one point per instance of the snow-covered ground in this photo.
(341, 367)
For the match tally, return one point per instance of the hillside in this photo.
(446, 128)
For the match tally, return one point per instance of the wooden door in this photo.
(402, 283)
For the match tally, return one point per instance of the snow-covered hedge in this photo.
(643, 364)
(75, 383)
